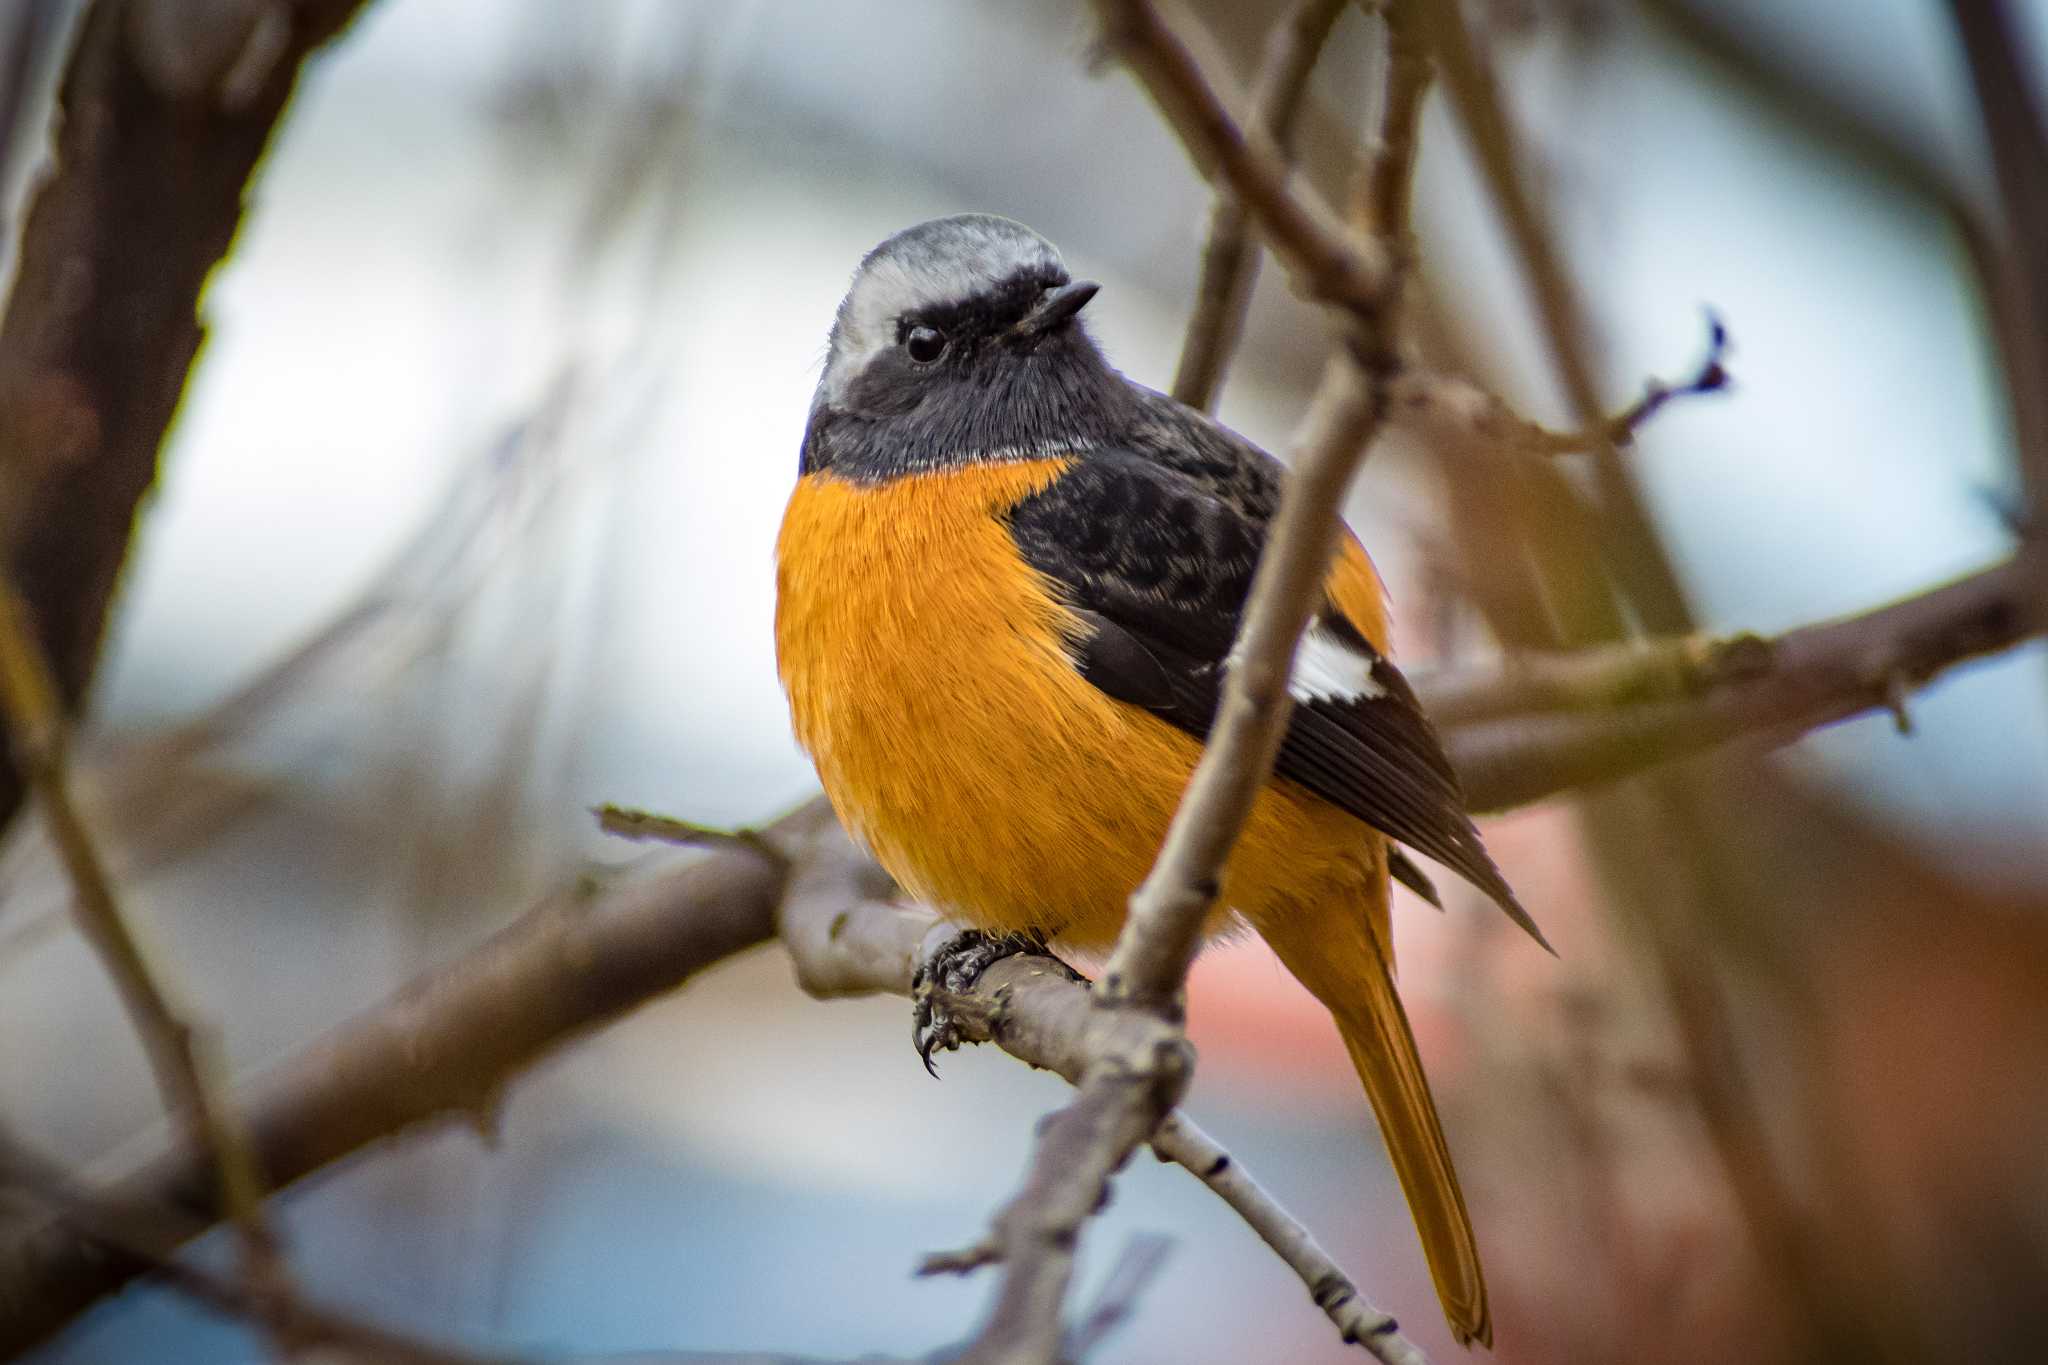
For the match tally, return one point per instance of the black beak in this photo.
(1057, 306)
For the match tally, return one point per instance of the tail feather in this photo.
(1346, 968)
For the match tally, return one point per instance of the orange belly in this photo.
(928, 678)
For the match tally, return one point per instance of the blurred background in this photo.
(466, 524)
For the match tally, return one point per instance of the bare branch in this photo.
(666, 829)
(163, 113)
(1229, 263)
(1444, 401)
(1327, 261)
(1639, 563)
(1357, 1320)
(1598, 677)
(444, 1047)
(2006, 101)
(1141, 1261)
(448, 1044)
(844, 941)
(35, 725)
(1384, 197)
(1807, 678)
(152, 1236)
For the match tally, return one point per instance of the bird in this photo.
(1008, 580)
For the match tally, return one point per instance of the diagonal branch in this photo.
(1326, 260)
(34, 721)
(1140, 1061)
(1772, 689)
(444, 1047)
(1644, 573)
(1447, 402)
(2007, 103)
(1230, 264)
(163, 114)
(153, 1236)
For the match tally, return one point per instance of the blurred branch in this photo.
(152, 1237)
(448, 1045)
(1446, 402)
(1136, 1268)
(35, 725)
(1646, 576)
(444, 1047)
(165, 109)
(1596, 678)
(643, 825)
(1384, 197)
(2007, 102)
(1773, 689)
(1230, 265)
(1329, 262)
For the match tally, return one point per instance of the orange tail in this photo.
(1336, 953)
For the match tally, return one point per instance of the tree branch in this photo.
(1775, 689)
(164, 111)
(1445, 401)
(1327, 261)
(2019, 157)
(34, 721)
(843, 940)
(1139, 1061)
(1645, 574)
(447, 1045)
(153, 1236)
(1230, 265)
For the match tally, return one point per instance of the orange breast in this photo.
(928, 678)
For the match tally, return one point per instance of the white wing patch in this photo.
(1328, 669)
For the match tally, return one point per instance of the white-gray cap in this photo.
(942, 261)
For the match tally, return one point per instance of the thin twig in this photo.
(35, 724)
(1638, 560)
(843, 941)
(1443, 400)
(1383, 201)
(1357, 1319)
(629, 823)
(1230, 265)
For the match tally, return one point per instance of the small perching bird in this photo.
(1008, 581)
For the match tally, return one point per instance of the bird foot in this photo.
(953, 970)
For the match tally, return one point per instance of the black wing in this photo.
(1157, 568)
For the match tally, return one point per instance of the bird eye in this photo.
(925, 344)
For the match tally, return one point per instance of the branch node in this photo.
(965, 1261)
(1897, 688)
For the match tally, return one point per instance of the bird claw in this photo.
(953, 969)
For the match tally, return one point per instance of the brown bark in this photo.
(164, 111)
